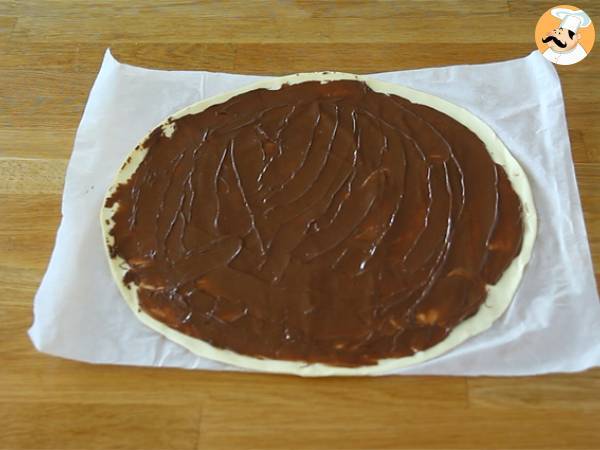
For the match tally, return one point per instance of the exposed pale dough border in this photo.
(499, 295)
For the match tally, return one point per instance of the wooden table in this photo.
(50, 53)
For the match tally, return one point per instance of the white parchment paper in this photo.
(553, 324)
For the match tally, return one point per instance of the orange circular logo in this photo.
(565, 34)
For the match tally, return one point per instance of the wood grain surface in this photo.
(50, 52)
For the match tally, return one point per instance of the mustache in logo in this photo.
(556, 41)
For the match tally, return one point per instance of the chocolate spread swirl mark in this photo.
(132, 219)
(373, 247)
(206, 171)
(220, 254)
(387, 218)
(286, 121)
(176, 216)
(182, 247)
(399, 130)
(313, 179)
(239, 127)
(495, 220)
(159, 247)
(421, 120)
(332, 191)
(244, 198)
(187, 188)
(262, 137)
(216, 191)
(427, 213)
(440, 256)
(357, 135)
(347, 183)
(343, 253)
(270, 158)
(436, 258)
(399, 297)
(193, 166)
(300, 211)
(300, 206)
(305, 154)
(349, 179)
(191, 190)
(448, 147)
(384, 145)
(329, 238)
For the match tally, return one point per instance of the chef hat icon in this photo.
(571, 20)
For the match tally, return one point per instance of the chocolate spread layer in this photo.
(317, 222)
